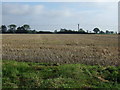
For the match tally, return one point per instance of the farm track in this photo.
(51, 48)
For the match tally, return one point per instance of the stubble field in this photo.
(61, 48)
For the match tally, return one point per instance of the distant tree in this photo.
(23, 30)
(87, 31)
(55, 31)
(12, 28)
(111, 32)
(81, 30)
(101, 32)
(116, 33)
(3, 29)
(0, 29)
(96, 30)
(34, 31)
(107, 32)
(26, 27)
(18, 30)
(70, 30)
(63, 30)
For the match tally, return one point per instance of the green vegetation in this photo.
(42, 75)
(26, 29)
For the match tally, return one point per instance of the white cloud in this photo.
(58, 13)
(21, 9)
(67, 13)
(15, 9)
(38, 9)
(103, 15)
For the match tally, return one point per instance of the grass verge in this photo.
(42, 75)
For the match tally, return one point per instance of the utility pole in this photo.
(78, 27)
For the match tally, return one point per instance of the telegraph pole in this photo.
(78, 27)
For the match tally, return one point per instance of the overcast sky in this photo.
(56, 15)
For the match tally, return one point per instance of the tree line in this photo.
(26, 29)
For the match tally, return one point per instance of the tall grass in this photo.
(43, 75)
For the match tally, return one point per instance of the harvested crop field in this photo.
(61, 48)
